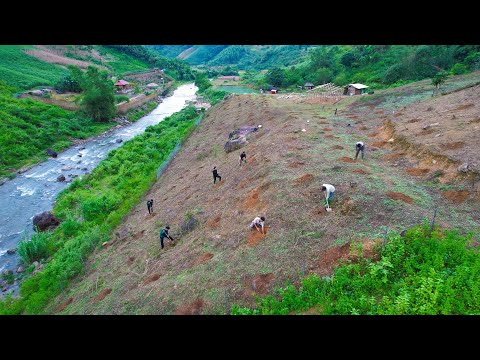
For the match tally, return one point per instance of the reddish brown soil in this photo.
(346, 159)
(363, 128)
(130, 260)
(378, 112)
(337, 147)
(252, 199)
(103, 294)
(324, 123)
(64, 305)
(454, 145)
(306, 178)
(296, 164)
(202, 259)
(456, 196)
(374, 134)
(261, 283)
(329, 136)
(255, 237)
(330, 259)
(393, 156)
(398, 114)
(151, 278)
(464, 106)
(417, 171)
(327, 129)
(194, 308)
(413, 121)
(360, 171)
(353, 117)
(399, 196)
(379, 144)
(215, 222)
(426, 132)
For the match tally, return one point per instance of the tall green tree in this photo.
(98, 100)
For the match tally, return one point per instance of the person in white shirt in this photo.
(360, 146)
(329, 190)
(258, 222)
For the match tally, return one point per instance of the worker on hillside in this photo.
(335, 112)
(360, 146)
(329, 190)
(215, 175)
(257, 223)
(243, 158)
(164, 234)
(150, 206)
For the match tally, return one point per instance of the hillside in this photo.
(217, 261)
(246, 57)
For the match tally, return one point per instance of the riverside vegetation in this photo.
(91, 207)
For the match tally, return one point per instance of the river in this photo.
(35, 190)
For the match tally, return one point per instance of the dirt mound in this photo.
(330, 259)
(360, 171)
(202, 259)
(426, 132)
(103, 294)
(378, 112)
(296, 164)
(130, 260)
(337, 147)
(417, 171)
(346, 159)
(456, 196)
(260, 283)
(393, 156)
(255, 237)
(454, 145)
(215, 222)
(306, 178)
(151, 278)
(399, 196)
(329, 136)
(363, 127)
(411, 121)
(252, 199)
(379, 144)
(193, 308)
(64, 305)
(327, 129)
(324, 123)
(464, 106)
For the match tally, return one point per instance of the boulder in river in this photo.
(61, 178)
(45, 221)
(119, 141)
(11, 251)
(51, 153)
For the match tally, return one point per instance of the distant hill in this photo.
(27, 66)
(246, 57)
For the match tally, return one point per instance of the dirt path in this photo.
(220, 261)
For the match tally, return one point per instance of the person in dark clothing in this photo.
(360, 146)
(150, 206)
(243, 158)
(164, 234)
(335, 111)
(215, 175)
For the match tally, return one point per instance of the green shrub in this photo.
(421, 273)
(458, 69)
(36, 248)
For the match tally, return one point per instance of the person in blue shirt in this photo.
(164, 234)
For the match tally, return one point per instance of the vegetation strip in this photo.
(421, 273)
(93, 206)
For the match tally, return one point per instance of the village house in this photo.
(354, 89)
(122, 85)
(308, 86)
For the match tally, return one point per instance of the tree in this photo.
(71, 82)
(97, 100)
(438, 80)
(276, 76)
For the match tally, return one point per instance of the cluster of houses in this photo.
(350, 89)
(123, 87)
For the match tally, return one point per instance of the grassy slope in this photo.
(220, 256)
(24, 71)
(29, 127)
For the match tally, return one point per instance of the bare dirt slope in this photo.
(220, 261)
